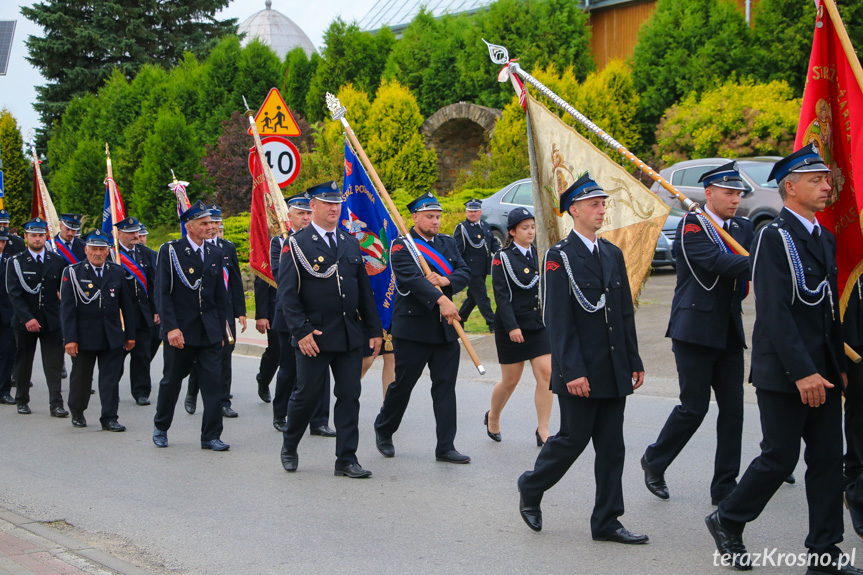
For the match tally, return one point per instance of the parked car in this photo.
(496, 207)
(760, 202)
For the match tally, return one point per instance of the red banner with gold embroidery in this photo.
(259, 226)
(832, 119)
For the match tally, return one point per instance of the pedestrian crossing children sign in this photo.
(274, 118)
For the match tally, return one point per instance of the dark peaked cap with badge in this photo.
(326, 192)
(300, 201)
(71, 221)
(129, 225)
(196, 211)
(517, 216)
(215, 213)
(583, 188)
(425, 203)
(4, 217)
(98, 238)
(727, 176)
(806, 159)
(473, 205)
(36, 226)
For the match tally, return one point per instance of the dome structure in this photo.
(276, 31)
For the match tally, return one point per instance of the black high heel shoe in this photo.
(494, 436)
(539, 441)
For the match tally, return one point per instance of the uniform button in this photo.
(534, 309)
(607, 290)
(608, 309)
(610, 328)
(341, 278)
(343, 313)
(612, 348)
(343, 295)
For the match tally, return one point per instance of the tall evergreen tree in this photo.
(17, 174)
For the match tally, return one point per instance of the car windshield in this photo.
(759, 172)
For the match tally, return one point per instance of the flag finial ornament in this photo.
(498, 54)
(337, 111)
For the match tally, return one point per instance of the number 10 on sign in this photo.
(282, 157)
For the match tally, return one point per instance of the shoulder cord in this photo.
(466, 237)
(714, 236)
(582, 301)
(412, 251)
(180, 273)
(297, 253)
(79, 293)
(32, 291)
(511, 274)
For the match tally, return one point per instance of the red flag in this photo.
(832, 120)
(37, 210)
(259, 232)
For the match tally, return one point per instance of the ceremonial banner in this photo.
(831, 119)
(559, 155)
(365, 217)
(42, 206)
(107, 219)
(264, 223)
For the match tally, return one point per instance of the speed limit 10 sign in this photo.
(282, 157)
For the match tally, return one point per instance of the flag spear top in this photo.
(112, 188)
(47, 205)
(338, 112)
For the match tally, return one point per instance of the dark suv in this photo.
(760, 202)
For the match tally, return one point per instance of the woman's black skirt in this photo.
(535, 344)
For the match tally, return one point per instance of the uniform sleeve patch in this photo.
(495, 262)
(396, 247)
(551, 266)
(286, 248)
(694, 228)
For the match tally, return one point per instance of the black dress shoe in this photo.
(280, 425)
(655, 482)
(215, 445)
(24, 409)
(539, 441)
(323, 431)
(63, 374)
(385, 445)
(532, 515)
(114, 426)
(143, 401)
(289, 460)
(834, 569)
(228, 412)
(79, 421)
(729, 545)
(58, 412)
(264, 393)
(160, 438)
(190, 404)
(856, 516)
(353, 470)
(7, 399)
(452, 457)
(625, 536)
(494, 436)
(790, 480)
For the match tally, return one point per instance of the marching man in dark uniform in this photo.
(477, 246)
(329, 306)
(706, 331)
(594, 363)
(14, 245)
(191, 299)
(300, 213)
(421, 328)
(67, 243)
(93, 294)
(140, 283)
(33, 285)
(149, 256)
(798, 367)
(853, 324)
(7, 337)
(235, 309)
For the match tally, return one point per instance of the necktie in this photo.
(39, 259)
(725, 226)
(331, 240)
(816, 232)
(528, 256)
(201, 253)
(816, 241)
(99, 273)
(597, 258)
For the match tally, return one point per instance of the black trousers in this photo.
(51, 342)
(178, 364)
(155, 341)
(312, 377)
(226, 354)
(411, 358)
(81, 381)
(854, 433)
(699, 369)
(583, 420)
(286, 384)
(477, 296)
(7, 358)
(269, 360)
(139, 365)
(784, 421)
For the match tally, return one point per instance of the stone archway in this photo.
(457, 133)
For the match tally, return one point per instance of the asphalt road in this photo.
(184, 510)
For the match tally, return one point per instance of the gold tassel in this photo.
(388, 341)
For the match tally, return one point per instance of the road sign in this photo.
(274, 118)
(7, 33)
(2, 192)
(282, 157)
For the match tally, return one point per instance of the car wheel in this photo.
(499, 235)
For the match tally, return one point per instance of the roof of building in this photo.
(276, 31)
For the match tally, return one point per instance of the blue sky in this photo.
(17, 88)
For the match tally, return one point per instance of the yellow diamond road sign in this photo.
(274, 118)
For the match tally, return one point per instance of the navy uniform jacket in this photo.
(341, 306)
(853, 318)
(143, 299)
(198, 313)
(279, 323)
(236, 293)
(96, 326)
(416, 314)
(149, 255)
(517, 308)
(265, 300)
(5, 304)
(77, 248)
(601, 346)
(43, 306)
(700, 316)
(15, 245)
(477, 259)
(792, 340)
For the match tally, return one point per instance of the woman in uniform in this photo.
(520, 335)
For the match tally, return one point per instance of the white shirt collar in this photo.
(34, 254)
(714, 217)
(591, 245)
(431, 239)
(195, 246)
(323, 233)
(524, 251)
(806, 223)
